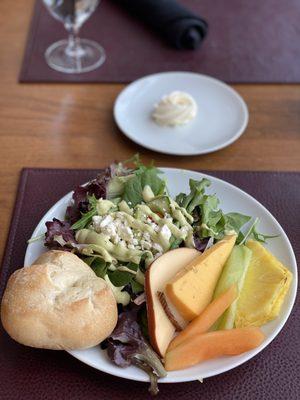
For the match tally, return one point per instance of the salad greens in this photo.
(121, 221)
(86, 218)
(210, 221)
(127, 345)
(143, 177)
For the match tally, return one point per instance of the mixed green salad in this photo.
(120, 222)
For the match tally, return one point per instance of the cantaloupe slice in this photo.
(192, 288)
(210, 345)
(207, 318)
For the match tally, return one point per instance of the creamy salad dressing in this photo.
(121, 297)
(100, 243)
(126, 234)
(176, 108)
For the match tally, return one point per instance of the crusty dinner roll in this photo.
(58, 303)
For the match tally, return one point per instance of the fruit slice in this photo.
(210, 345)
(191, 290)
(234, 271)
(266, 285)
(207, 318)
(161, 330)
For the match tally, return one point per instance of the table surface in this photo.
(71, 125)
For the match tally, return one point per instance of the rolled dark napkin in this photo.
(178, 25)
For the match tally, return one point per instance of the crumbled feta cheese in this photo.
(145, 245)
(117, 229)
(125, 232)
(96, 219)
(109, 229)
(115, 238)
(153, 225)
(165, 232)
(146, 236)
(106, 220)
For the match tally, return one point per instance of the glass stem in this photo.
(74, 49)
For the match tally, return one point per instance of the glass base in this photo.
(89, 56)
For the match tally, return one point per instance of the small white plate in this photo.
(231, 199)
(222, 114)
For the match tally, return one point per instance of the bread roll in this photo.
(58, 303)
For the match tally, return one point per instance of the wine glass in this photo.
(73, 55)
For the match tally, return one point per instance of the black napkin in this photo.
(178, 25)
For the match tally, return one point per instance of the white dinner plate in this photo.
(222, 114)
(232, 199)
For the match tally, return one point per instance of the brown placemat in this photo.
(248, 41)
(34, 374)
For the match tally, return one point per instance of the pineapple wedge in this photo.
(266, 285)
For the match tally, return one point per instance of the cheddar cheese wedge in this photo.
(192, 288)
